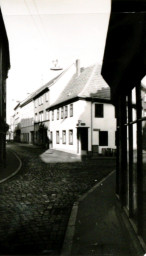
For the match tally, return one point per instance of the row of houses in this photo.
(72, 112)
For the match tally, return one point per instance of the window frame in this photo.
(97, 114)
(52, 115)
(36, 117)
(62, 112)
(64, 137)
(66, 111)
(58, 112)
(57, 137)
(71, 110)
(47, 114)
(71, 137)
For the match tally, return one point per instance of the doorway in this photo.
(83, 140)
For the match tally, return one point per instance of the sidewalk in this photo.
(13, 165)
(96, 225)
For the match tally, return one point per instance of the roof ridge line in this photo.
(93, 71)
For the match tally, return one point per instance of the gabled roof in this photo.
(87, 84)
(104, 93)
(42, 89)
(34, 95)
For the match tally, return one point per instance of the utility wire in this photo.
(34, 21)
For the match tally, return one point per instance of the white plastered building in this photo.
(82, 118)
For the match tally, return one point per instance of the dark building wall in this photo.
(4, 67)
(123, 69)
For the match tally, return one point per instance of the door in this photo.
(83, 140)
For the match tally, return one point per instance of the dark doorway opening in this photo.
(84, 138)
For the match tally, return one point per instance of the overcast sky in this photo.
(40, 31)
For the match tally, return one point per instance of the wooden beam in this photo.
(139, 162)
(130, 133)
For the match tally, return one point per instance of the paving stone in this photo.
(36, 204)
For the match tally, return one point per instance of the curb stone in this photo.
(15, 172)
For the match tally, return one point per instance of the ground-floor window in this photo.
(103, 138)
(57, 137)
(64, 137)
(71, 137)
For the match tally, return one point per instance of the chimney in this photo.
(78, 67)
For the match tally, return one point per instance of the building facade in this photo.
(16, 123)
(71, 113)
(43, 97)
(27, 121)
(123, 69)
(82, 119)
(4, 67)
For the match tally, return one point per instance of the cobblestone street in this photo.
(36, 203)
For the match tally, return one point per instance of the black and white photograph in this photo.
(73, 127)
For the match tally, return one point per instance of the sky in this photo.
(40, 31)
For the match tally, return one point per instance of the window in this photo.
(52, 115)
(98, 110)
(58, 114)
(62, 113)
(64, 137)
(57, 137)
(36, 118)
(41, 116)
(103, 138)
(71, 110)
(47, 114)
(47, 96)
(71, 137)
(66, 111)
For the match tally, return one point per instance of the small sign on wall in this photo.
(80, 123)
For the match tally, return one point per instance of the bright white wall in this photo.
(27, 119)
(27, 110)
(82, 111)
(108, 123)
